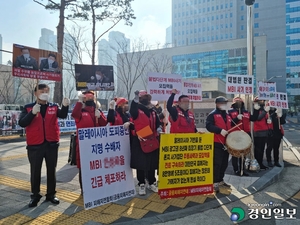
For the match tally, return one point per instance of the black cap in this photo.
(221, 99)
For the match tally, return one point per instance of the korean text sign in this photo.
(266, 90)
(160, 85)
(105, 165)
(239, 84)
(36, 63)
(185, 165)
(193, 90)
(281, 101)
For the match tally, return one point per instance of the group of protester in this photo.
(146, 120)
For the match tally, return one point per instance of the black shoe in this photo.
(270, 164)
(238, 173)
(277, 164)
(263, 167)
(53, 199)
(245, 174)
(34, 200)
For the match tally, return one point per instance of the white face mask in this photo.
(44, 96)
(26, 55)
(98, 77)
(223, 107)
(50, 61)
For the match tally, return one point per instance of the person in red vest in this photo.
(117, 113)
(161, 115)
(181, 118)
(42, 142)
(273, 142)
(86, 114)
(240, 115)
(143, 115)
(261, 129)
(219, 122)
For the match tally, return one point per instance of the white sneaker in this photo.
(152, 187)
(142, 189)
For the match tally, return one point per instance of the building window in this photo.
(191, 21)
(226, 36)
(195, 30)
(226, 25)
(182, 23)
(217, 38)
(256, 25)
(195, 20)
(212, 27)
(175, 24)
(207, 28)
(231, 4)
(217, 7)
(256, 5)
(207, 9)
(199, 39)
(231, 25)
(230, 35)
(242, 36)
(207, 18)
(242, 17)
(175, 33)
(212, 38)
(230, 15)
(221, 17)
(242, 8)
(217, 17)
(191, 12)
(226, 5)
(221, 7)
(207, 38)
(212, 8)
(212, 18)
(256, 35)
(256, 15)
(242, 27)
(203, 9)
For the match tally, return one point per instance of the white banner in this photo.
(266, 90)
(160, 85)
(239, 84)
(281, 101)
(193, 90)
(105, 165)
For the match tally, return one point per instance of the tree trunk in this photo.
(58, 89)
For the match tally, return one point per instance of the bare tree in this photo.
(99, 11)
(29, 85)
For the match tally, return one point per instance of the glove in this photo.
(240, 116)
(81, 97)
(112, 104)
(136, 96)
(279, 112)
(224, 132)
(269, 121)
(66, 102)
(97, 113)
(159, 130)
(256, 106)
(267, 108)
(36, 109)
(126, 125)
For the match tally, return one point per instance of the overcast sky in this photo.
(22, 20)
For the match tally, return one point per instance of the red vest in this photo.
(118, 120)
(41, 129)
(219, 122)
(245, 121)
(143, 120)
(181, 125)
(261, 125)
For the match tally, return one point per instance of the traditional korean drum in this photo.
(238, 143)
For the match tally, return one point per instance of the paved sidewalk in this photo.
(149, 209)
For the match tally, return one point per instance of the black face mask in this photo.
(144, 102)
(90, 103)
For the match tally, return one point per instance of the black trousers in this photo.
(36, 156)
(259, 148)
(273, 143)
(220, 163)
(142, 175)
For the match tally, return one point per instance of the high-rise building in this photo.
(169, 36)
(0, 49)
(293, 47)
(206, 21)
(48, 41)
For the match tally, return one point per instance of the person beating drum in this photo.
(219, 123)
(240, 115)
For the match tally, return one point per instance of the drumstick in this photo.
(234, 127)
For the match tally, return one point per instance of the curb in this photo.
(290, 146)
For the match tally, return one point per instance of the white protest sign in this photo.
(193, 90)
(160, 85)
(105, 165)
(239, 84)
(281, 101)
(266, 90)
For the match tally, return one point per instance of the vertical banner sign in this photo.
(193, 90)
(185, 165)
(105, 165)
(160, 85)
(281, 101)
(239, 84)
(266, 90)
